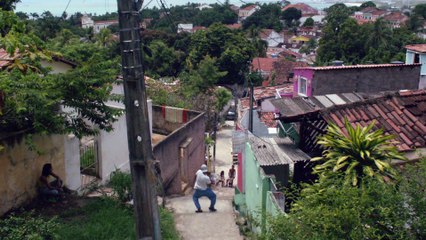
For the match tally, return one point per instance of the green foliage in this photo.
(309, 22)
(358, 154)
(121, 184)
(8, 5)
(167, 224)
(205, 74)
(102, 219)
(412, 187)
(218, 13)
(367, 4)
(291, 16)
(223, 96)
(87, 159)
(420, 10)
(28, 226)
(255, 78)
(267, 16)
(165, 61)
(105, 218)
(375, 211)
(345, 40)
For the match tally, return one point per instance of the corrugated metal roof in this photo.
(288, 150)
(294, 107)
(265, 152)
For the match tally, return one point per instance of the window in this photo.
(416, 58)
(302, 86)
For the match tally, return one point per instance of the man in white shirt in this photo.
(202, 189)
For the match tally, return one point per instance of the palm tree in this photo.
(359, 153)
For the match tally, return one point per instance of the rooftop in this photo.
(358, 66)
(421, 48)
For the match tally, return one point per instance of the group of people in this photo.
(230, 181)
(202, 186)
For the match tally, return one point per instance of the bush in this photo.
(373, 211)
(27, 226)
(121, 184)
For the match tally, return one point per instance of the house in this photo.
(284, 70)
(416, 53)
(203, 6)
(402, 114)
(246, 12)
(369, 14)
(185, 27)
(273, 38)
(99, 25)
(263, 65)
(395, 20)
(371, 78)
(306, 10)
(266, 166)
(87, 22)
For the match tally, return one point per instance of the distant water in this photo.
(102, 6)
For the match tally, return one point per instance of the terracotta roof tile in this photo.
(417, 47)
(391, 115)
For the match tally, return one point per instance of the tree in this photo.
(291, 15)
(420, 10)
(8, 5)
(232, 50)
(309, 22)
(165, 61)
(203, 77)
(358, 154)
(266, 17)
(33, 96)
(367, 4)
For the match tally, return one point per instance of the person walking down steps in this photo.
(202, 188)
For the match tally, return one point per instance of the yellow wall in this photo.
(20, 168)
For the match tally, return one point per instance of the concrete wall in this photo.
(409, 59)
(189, 135)
(113, 146)
(20, 168)
(305, 73)
(368, 80)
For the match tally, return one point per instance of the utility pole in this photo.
(251, 107)
(138, 133)
(214, 139)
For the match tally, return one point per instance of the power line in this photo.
(69, 1)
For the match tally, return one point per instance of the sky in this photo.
(56, 7)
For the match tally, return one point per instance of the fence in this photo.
(89, 158)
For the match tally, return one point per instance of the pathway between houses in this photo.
(218, 225)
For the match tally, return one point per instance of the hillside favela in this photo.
(221, 119)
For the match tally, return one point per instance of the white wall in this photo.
(72, 162)
(113, 147)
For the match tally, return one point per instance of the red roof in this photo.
(268, 92)
(304, 8)
(417, 48)
(268, 118)
(233, 26)
(249, 7)
(263, 64)
(396, 16)
(402, 115)
(358, 66)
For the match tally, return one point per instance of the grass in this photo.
(105, 218)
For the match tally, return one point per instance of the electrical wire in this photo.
(69, 1)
